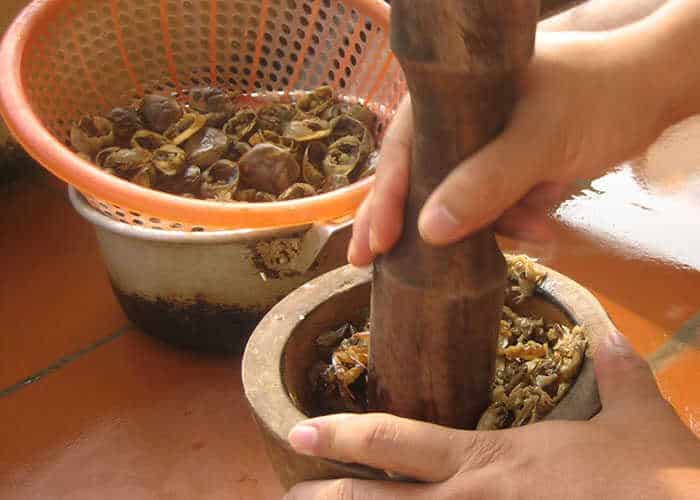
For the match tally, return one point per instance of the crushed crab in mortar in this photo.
(536, 362)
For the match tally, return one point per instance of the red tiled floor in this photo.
(645, 335)
(134, 420)
(662, 293)
(55, 296)
(679, 383)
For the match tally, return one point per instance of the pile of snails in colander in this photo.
(211, 144)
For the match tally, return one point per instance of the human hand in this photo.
(586, 103)
(636, 448)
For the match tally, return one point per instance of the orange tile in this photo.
(134, 419)
(679, 384)
(647, 299)
(645, 336)
(55, 295)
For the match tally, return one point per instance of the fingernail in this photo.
(304, 439)
(438, 224)
(373, 242)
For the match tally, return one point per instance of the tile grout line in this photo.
(686, 337)
(682, 338)
(64, 361)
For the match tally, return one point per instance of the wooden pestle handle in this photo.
(549, 8)
(436, 311)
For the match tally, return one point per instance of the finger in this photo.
(414, 449)
(391, 182)
(545, 196)
(359, 252)
(623, 376)
(527, 224)
(481, 188)
(356, 489)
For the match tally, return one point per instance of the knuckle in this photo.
(342, 489)
(381, 433)
(481, 450)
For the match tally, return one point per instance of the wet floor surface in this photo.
(92, 408)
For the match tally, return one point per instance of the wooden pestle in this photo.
(436, 311)
(550, 8)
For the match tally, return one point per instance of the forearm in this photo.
(601, 15)
(666, 45)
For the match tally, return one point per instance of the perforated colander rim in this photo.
(43, 146)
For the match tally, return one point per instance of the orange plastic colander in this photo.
(63, 59)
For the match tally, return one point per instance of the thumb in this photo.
(482, 187)
(623, 377)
